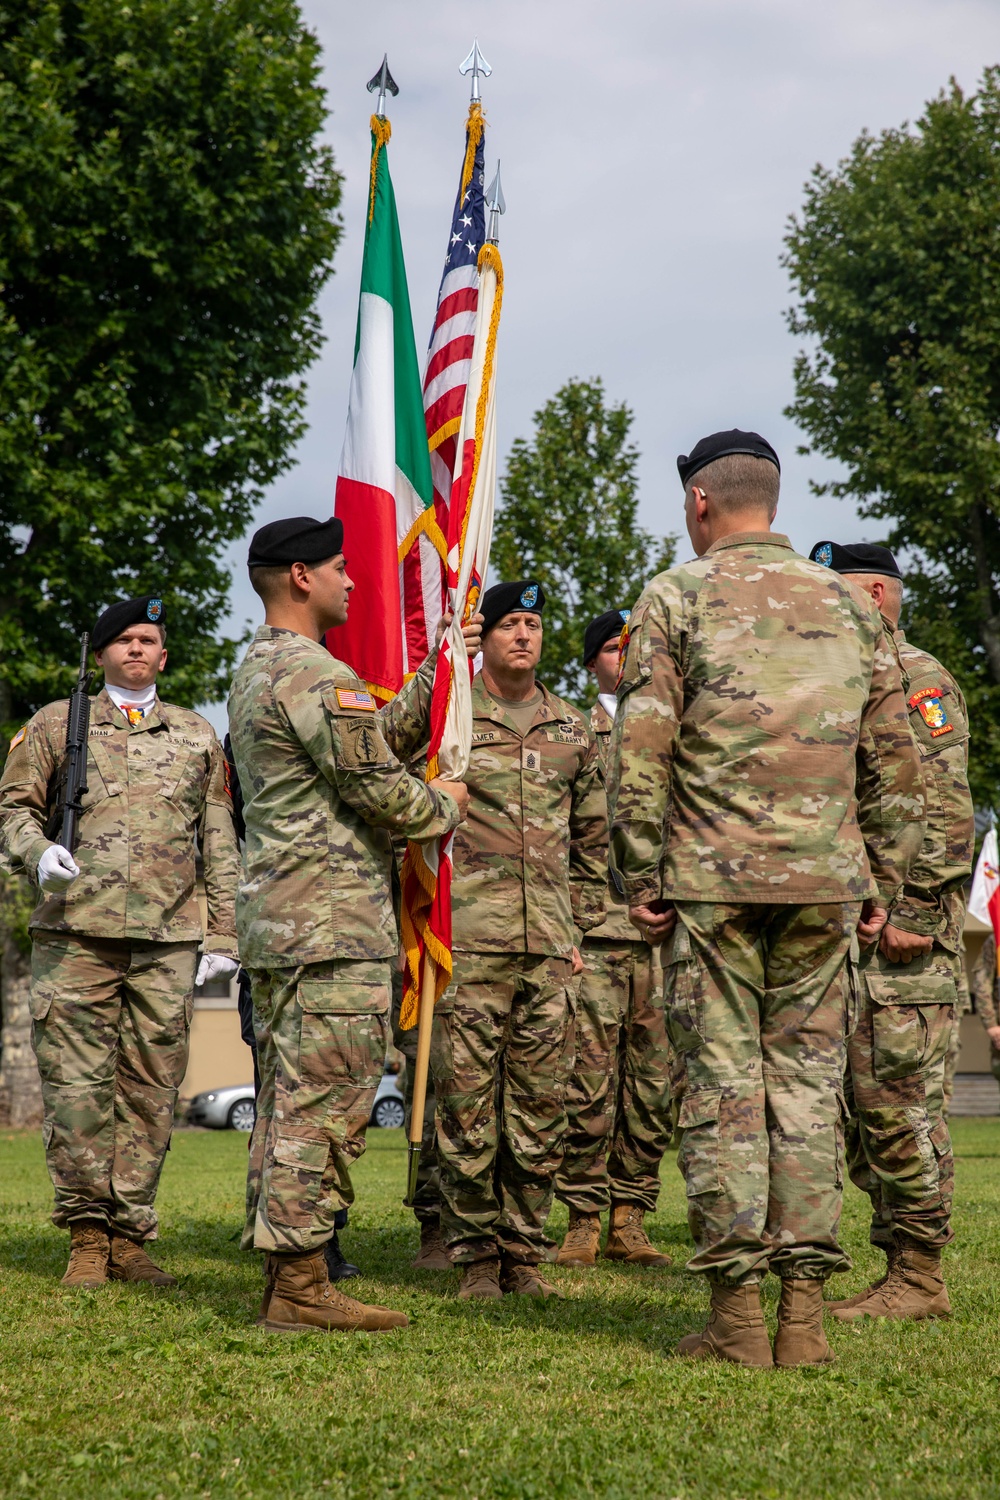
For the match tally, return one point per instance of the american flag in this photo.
(447, 374)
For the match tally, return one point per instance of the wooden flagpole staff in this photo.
(418, 1103)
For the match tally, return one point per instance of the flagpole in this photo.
(425, 1027)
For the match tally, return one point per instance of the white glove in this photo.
(214, 966)
(57, 868)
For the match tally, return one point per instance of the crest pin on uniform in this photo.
(529, 596)
(625, 614)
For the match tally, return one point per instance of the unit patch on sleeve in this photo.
(354, 698)
(930, 706)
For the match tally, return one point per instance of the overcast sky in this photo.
(652, 154)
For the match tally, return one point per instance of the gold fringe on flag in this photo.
(381, 131)
(475, 127)
(489, 255)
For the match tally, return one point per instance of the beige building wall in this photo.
(219, 1057)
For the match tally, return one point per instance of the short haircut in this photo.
(739, 481)
(267, 582)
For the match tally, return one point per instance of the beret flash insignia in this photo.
(529, 596)
(824, 555)
(154, 610)
(625, 614)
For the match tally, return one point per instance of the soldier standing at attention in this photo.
(116, 934)
(529, 878)
(617, 1101)
(898, 1146)
(986, 997)
(759, 704)
(323, 794)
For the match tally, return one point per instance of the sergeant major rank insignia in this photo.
(933, 712)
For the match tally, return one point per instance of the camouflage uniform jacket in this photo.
(983, 983)
(616, 927)
(940, 724)
(323, 793)
(759, 704)
(153, 790)
(531, 857)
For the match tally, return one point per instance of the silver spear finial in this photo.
(385, 83)
(495, 205)
(477, 65)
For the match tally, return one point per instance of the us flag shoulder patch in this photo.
(355, 698)
(19, 736)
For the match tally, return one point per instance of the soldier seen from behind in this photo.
(116, 935)
(766, 801)
(324, 792)
(618, 1100)
(898, 1145)
(529, 879)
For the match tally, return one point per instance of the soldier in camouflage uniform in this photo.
(618, 1099)
(759, 705)
(984, 986)
(116, 934)
(963, 1007)
(529, 879)
(898, 1147)
(323, 793)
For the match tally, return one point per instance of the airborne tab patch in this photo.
(355, 698)
(929, 705)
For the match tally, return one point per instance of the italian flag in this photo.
(384, 483)
(984, 898)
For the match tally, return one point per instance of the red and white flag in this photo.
(984, 900)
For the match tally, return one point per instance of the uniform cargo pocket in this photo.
(295, 1179)
(682, 994)
(339, 996)
(912, 1016)
(698, 1156)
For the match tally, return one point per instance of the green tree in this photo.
(568, 518)
(896, 262)
(168, 221)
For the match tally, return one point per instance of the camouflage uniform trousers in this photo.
(321, 1037)
(111, 1024)
(501, 1054)
(618, 1099)
(757, 1000)
(898, 1146)
(427, 1201)
(962, 1008)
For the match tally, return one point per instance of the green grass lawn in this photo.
(125, 1392)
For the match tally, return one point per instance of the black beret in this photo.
(606, 627)
(148, 609)
(708, 449)
(296, 539)
(510, 598)
(859, 557)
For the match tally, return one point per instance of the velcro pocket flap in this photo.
(699, 1107)
(927, 983)
(303, 1155)
(349, 997)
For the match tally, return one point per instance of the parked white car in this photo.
(233, 1108)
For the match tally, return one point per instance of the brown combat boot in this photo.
(129, 1262)
(891, 1257)
(735, 1331)
(518, 1279)
(88, 1253)
(304, 1298)
(582, 1242)
(914, 1289)
(481, 1280)
(628, 1240)
(433, 1252)
(800, 1339)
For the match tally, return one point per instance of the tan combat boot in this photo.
(628, 1240)
(481, 1280)
(433, 1253)
(88, 1253)
(914, 1289)
(800, 1339)
(735, 1331)
(304, 1298)
(129, 1262)
(518, 1279)
(891, 1255)
(582, 1242)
